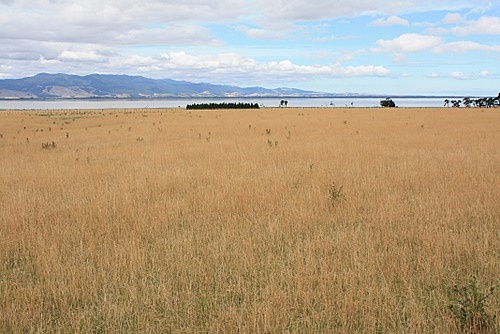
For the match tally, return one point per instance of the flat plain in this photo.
(277, 220)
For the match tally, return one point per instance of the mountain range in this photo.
(64, 86)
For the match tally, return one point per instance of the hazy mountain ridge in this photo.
(64, 86)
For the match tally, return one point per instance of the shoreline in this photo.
(284, 109)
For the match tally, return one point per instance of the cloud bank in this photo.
(250, 42)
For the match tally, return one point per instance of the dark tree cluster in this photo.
(468, 102)
(223, 105)
(387, 103)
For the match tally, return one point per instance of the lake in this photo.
(182, 102)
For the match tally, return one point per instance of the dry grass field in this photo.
(289, 220)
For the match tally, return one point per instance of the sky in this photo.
(422, 47)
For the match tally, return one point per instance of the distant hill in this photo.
(64, 86)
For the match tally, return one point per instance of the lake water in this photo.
(181, 103)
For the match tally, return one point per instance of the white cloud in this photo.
(287, 67)
(45, 61)
(345, 56)
(130, 12)
(180, 59)
(237, 64)
(27, 50)
(262, 34)
(399, 57)
(127, 36)
(436, 31)
(111, 22)
(81, 56)
(320, 9)
(465, 46)
(222, 68)
(171, 35)
(182, 22)
(453, 18)
(321, 54)
(390, 21)
(369, 70)
(94, 20)
(458, 75)
(408, 43)
(486, 25)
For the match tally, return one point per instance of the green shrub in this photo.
(468, 307)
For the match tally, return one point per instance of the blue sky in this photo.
(440, 47)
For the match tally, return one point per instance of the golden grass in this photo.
(158, 221)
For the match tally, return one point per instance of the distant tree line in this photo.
(483, 102)
(222, 105)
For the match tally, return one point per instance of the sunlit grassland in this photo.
(158, 221)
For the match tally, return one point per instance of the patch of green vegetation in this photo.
(223, 105)
(468, 306)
